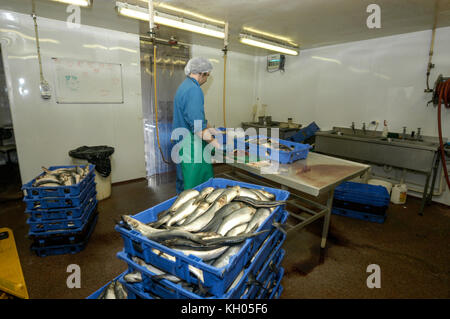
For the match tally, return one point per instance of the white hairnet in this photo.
(198, 65)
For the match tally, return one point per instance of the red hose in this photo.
(444, 96)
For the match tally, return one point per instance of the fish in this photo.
(183, 198)
(223, 212)
(62, 176)
(200, 222)
(133, 277)
(201, 208)
(238, 217)
(224, 259)
(214, 195)
(174, 233)
(144, 229)
(237, 230)
(205, 193)
(120, 291)
(184, 211)
(110, 291)
(259, 203)
(259, 217)
(156, 271)
(206, 254)
(249, 193)
(269, 195)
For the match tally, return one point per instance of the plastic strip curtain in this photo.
(169, 75)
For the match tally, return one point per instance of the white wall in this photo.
(378, 79)
(46, 131)
(240, 86)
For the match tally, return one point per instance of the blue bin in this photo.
(300, 151)
(270, 250)
(217, 280)
(43, 251)
(31, 192)
(39, 215)
(61, 224)
(60, 202)
(360, 193)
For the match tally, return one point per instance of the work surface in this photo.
(315, 175)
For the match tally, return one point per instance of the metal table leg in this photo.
(327, 217)
(425, 195)
(433, 181)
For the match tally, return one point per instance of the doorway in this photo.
(10, 182)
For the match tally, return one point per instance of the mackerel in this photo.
(214, 195)
(205, 255)
(226, 210)
(201, 208)
(224, 259)
(205, 218)
(183, 198)
(257, 220)
(156, 271)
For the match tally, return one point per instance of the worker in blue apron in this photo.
(189, 113)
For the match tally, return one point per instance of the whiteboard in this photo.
(80, 82)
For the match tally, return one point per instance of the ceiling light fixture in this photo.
(186, 12)
(141, 13)
(81, 3)
(270, 35)
(261, 43)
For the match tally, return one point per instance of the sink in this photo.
(372, 147)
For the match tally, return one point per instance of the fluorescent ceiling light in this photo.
(246, 39)
(81, 3)
(186, 12)
(169, 20)
(271, 35)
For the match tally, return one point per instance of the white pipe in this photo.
(151, 20)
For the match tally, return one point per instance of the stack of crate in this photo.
(361, 201)
(254, 272)
(62, 218)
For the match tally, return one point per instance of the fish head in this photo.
(130, 221)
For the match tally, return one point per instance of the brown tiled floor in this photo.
(413, 251)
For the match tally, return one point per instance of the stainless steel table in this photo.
(316, 175)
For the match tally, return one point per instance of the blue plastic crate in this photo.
(60, 202)
(263, 275)
(43, 251)
(62, 213)
(96, 294)
(305, 133)
(275, 291)
(359, 215)
(374, 195)
(166, 289)
(300, 150)
(31, 192)
(178, 263)
(61, 224)
(66, 232)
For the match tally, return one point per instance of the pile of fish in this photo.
(269, 143)
(115, 290)
(62, 176)
(211, 224)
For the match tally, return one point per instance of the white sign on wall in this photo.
(85, 82)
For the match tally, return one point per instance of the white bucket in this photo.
(399, 193)
(380, 182)
(103, 184)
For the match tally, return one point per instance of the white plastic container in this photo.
(103, 184)
(380, 182)
(399, 193)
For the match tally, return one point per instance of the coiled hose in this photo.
(443, 90)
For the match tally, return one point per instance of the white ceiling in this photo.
(311, 23)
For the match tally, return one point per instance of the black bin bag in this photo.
(97, 155)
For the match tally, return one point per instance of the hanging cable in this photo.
(430, 54)
(225, 51)
(443, 90)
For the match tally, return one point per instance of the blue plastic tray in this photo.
(359, 215)
(64, 249)
(61, 224)
(166, 289)
(62, 213)
(31, 192)
(367, 194)
(66, 232)
(178, 263)
(272, 286)
(60, 202)
(300, 150)
(131, 294)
